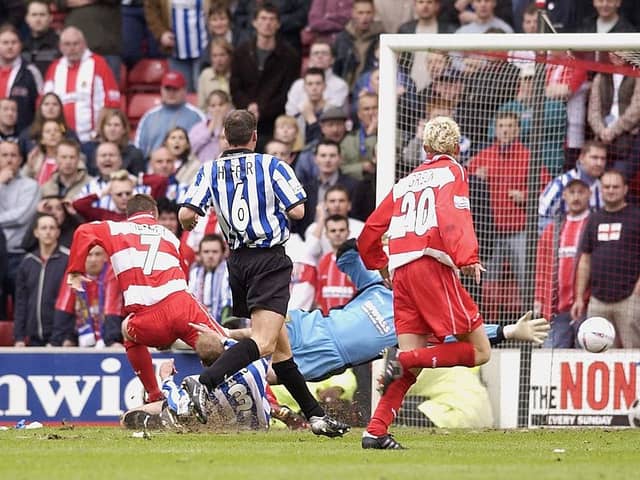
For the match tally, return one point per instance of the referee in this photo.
(253, 194)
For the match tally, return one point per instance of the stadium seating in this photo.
(6, 334)
(146, 75)
(139, 103)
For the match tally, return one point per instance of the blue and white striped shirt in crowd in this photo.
(251, 193)
(551, 202)
(188, 18)
(96, 185)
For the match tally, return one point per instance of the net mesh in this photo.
(524, 118)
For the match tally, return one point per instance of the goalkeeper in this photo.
(358, 332)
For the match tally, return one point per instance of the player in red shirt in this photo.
(147, 261)
(431, 237)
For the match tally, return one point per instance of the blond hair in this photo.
(120, 176)
(441, 135)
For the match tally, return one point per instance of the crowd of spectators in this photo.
(71, 150)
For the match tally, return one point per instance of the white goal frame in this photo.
(392, 45)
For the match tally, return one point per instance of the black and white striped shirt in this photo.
(251, 193)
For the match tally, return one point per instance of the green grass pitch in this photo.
(110, 453)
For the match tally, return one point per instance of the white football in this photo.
(634, 414)
(596, 334)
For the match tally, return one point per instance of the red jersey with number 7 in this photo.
(426, 213)
(145, 256)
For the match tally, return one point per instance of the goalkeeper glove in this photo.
(528, 330)
(346, 246)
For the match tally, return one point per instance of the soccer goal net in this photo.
(530, 108)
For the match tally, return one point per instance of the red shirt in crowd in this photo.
(558, 294)
(507, 169)
(333, 288)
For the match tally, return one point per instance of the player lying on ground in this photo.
(357, 333)
(241, 401)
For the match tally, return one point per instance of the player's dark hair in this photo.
(141, 202)
(336, 217)
(337, 188)
(326, 141)
(531, 9)
(213, 237)
(239, 126)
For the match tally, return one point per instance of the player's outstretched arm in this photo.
(528, 329)
(350, 263)
(525, 329)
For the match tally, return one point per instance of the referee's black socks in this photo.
(231, 361)
(289, 376)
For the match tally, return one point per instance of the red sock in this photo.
(140, 359)
(390, 403)
(444, 355)
(273, 400)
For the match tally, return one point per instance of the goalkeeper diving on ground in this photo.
(322, 346)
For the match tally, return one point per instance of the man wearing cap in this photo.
(333, 127)
(174, 111)
(590, 167)
(83, 81)
(556, 261)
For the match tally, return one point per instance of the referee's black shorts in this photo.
(259, 279)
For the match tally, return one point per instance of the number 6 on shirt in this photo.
(239, 209)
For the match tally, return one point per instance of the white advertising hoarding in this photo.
(573, 388)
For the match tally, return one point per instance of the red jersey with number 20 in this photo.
(145, 257)
(426, 213)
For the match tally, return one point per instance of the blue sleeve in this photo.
(351, 264)
(286, 185)
(199, 196)
(493, 331)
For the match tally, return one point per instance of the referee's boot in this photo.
(329, 427)
(383, 442)
(198, 396)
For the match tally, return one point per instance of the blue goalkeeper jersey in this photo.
(350, 335)
(353, 334)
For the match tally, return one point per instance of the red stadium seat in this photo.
(6, 334)
(139, 103)
(145, 76)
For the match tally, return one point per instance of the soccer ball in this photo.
(634, 414)
(596, 334)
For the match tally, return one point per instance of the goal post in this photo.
(391, 45)
(518, 94)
